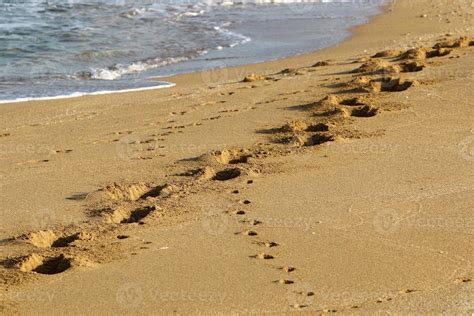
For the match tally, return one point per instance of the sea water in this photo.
(64, 48)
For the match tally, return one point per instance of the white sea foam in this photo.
(80, 94)
(118, 71)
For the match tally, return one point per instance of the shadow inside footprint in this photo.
(65, 241)
(365, 111)
(54, 265)
(352, 102)
(396, 85)
(319, 139)
(242, 159)
(412, 67)
(320, 127)
(227, 174)
(139, 214)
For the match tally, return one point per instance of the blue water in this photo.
(60, 48)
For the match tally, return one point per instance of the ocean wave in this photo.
(132, 13)
(61, 46)
(211, 3)
(118, 71)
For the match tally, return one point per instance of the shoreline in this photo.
(339, 187)
(351, 32)
(165, 85)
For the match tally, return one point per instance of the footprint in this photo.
(373, 67)
(254, 222)
(362, 84)
(384, 299)
(248, 233)
(229, 111)
(365, 111)
(394, 85)
(387, 54)
(284, 281)
(320, 127)
(463, 280)
(51, 265)
(298, 306)
(412, 67)
(54, 265)
(268, 244)
(461, 42)
(407, 291)
(48, 239)
(263, 256)
(321, 64)
(124, 132)
(66, 151)
(287, 269)
(212, 118)
(353, 101)
(36, 161)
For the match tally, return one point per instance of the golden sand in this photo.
(338, 181)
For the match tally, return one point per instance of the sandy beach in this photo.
(339, 181)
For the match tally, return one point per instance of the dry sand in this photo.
(340, 186)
